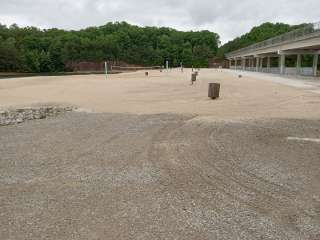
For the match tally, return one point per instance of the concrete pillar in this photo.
(243, 64)
(261, 63)
(298, 63)
(282, 63)
(315, 64)
(268, 64)
(257, 64)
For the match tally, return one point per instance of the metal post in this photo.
(315, 64)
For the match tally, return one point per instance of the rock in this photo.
(19, 115)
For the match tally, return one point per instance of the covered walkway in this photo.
(293, 53)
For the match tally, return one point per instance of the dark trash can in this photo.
(214, 90)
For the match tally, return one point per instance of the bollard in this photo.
(193, 78)
(214, 90)
(147, 74)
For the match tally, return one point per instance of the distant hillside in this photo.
(31, 49)
(257, 34)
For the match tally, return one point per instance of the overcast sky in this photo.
(228, 18)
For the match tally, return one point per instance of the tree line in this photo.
(29, 49)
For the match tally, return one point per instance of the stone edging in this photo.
(19, 115)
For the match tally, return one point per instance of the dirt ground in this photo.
(248, 97)
(159, 160)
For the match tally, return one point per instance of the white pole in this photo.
(106, 69)
(167, 65)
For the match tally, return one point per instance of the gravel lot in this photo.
(160, 176)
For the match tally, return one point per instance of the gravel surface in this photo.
(163, 176)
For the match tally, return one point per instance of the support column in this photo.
(315, 64)
(261, 63)
(243, 64)
(298, 63)
(257, 64)
(282, 63)
(268, 64)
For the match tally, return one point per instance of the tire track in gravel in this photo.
(189, 175)
(240, 185)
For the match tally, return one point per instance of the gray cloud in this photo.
(229, 18)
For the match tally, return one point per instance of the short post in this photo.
(147, 74)
(214, 90)
(193, 78)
